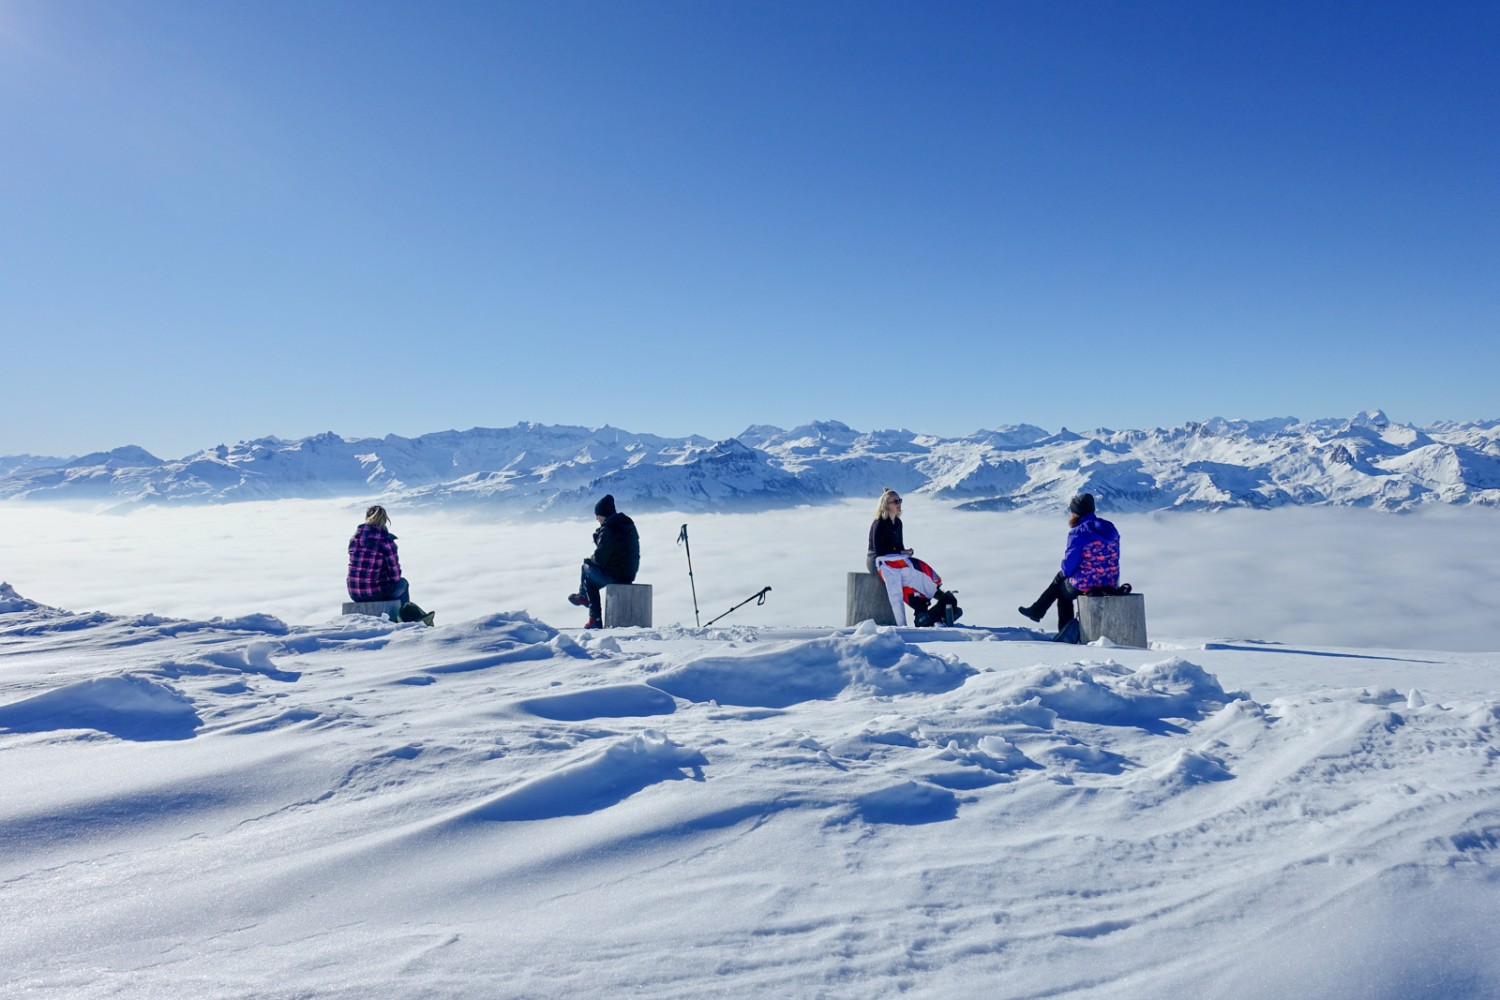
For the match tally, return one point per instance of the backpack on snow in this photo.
(943, 607)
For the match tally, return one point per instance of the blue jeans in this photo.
(397, 590)
(590, 580)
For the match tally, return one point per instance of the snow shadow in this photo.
(1114, 695)
(510, 637)
(598, 782)
(253, 659)
(1269, 648)
(907, 804)
(615, 702)
(130, 708)
(871, 659)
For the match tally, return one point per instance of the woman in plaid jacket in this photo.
(375, 568)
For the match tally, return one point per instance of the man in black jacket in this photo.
(616, 558)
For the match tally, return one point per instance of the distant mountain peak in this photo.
(530, 468)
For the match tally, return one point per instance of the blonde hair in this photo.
(377, 516)
(883, 507)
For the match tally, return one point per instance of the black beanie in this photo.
(605, 507)
(1082, 504)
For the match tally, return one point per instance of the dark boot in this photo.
(1057, 591)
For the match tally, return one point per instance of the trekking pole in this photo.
(760, 594)
(682, 539)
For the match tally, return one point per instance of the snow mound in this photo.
(598, 782)
(255, 659)
(13, 603)
(502, 638)
(1110, 694)
(907, 804)
(617, 701)
(128, 707)
(870, 660)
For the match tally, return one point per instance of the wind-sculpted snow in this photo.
(604, 779)
(131, 708)
(498, 808)
(1112, 694)
(531, 469)
(12, 603)
(871, 661)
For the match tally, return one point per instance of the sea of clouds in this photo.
(1328, 576)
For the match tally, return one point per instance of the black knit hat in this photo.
(605, 507)
(1082, 504)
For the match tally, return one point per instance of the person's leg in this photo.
(923, 584)
(396, 590)
(594, 579)
(1039, 607)
(889, 570)
(1065, 594)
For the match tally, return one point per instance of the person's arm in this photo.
(1073, 554)
(604, 545)
(393, 558)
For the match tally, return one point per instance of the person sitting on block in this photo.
(375, 568)
(1090, 563)
(616, 558)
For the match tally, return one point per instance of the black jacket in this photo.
(617, 548)
(885, 537)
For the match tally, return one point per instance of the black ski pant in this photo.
(1060, 591)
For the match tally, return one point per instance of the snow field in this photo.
(352, 808)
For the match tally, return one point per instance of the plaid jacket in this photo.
(373, 564)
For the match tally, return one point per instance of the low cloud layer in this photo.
(1306, 576)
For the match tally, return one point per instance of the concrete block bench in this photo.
(1121, 619)
(380, 609)
(627, 604)
(865, 599)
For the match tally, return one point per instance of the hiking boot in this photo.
(594, 623)
(1035, 616)
(578, 600)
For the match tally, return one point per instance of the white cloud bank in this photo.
(1299, 575)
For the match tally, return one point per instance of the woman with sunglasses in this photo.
(907, 580)
(885, 531)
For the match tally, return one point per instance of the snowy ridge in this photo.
(1365, 461)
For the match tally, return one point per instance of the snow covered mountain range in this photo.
(1366, 461)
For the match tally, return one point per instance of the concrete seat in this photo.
(1122, 619)
(380, 609)
(627, 604)
(865, 600)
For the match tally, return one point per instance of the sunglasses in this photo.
(894, 500)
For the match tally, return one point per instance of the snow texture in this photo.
(496, 808)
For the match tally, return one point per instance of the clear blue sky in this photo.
(222, 220)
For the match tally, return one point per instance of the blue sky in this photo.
(224, 220)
